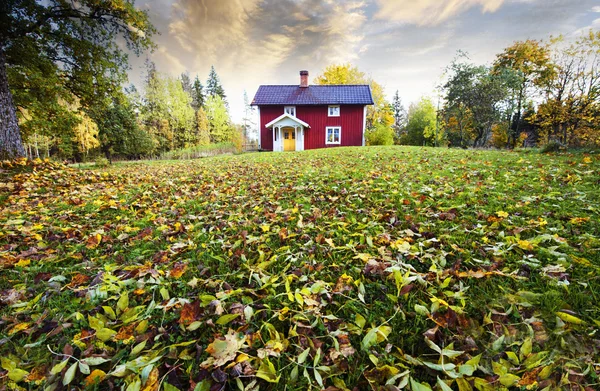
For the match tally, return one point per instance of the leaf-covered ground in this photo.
(362, 268)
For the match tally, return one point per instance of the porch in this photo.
(288, 133)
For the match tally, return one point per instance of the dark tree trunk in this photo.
(11, 144)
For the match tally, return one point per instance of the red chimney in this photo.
(304, 79)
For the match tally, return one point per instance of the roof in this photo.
(313, 95)
(291, 118)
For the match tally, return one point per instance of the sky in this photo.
(404, 45)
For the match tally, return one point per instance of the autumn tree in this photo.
(421, 127)
(530, 61)
(569, 112)
(474, 100)
(71, 45)
(167, 113)
(219, 123)
(202, 127)
(379, 113)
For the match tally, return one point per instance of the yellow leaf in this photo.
(19, 327)
(502, 214)
(23, 263)
(569, 318)
(95, 377)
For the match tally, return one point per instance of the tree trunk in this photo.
(11, 144)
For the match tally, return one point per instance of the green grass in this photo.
(359, 258)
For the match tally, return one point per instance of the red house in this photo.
(299, 117)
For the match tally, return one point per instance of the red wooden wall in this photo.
(350, 120)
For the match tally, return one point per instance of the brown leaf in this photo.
(190, 312)
(78, 280)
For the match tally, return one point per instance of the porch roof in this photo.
(287, 120)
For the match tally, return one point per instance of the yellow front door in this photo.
(289, 139)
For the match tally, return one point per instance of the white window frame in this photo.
(291, 110)
(333, 128)
(329, 113)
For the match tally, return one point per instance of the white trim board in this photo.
(288, 117)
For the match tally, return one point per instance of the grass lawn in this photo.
(348, 268)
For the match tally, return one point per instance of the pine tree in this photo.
(197, 94)
(186, 82)
(213, 85)
(399, 115)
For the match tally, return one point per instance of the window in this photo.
(275, 131)
(333, 135)
(333, 111)
(291, 110)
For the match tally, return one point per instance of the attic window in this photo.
(333, 111)
(291, 110)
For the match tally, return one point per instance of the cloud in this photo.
(430, 12)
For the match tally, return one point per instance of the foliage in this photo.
(219, 124)
(569, 114)
(59, 49)
(345, 268)
(421, 128)
(202, 127)
(553, 146)
(118, 129)
(197, 94)
(167, 113)
(380, 112)
(530, 62)
(380, 135)
(213, 85)
(101, 162)
(200, 151)
(400, 117)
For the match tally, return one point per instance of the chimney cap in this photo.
(304, 73)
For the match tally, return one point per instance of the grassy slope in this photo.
(362, 256)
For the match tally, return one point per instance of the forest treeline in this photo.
(533, 94)
(168, 114)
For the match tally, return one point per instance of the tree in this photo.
(248, 120)
(197, 94)
(118, 128)
(421, 126)
(573, 93)
(213, 85)
(167, 113)
(76, 40)
(203, 127)
(380, 112)
(186, 83)
(530, 60)
(219, 124)
(399, 116)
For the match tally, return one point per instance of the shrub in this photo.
(553, 146)
(381, 135)
(101, 162)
